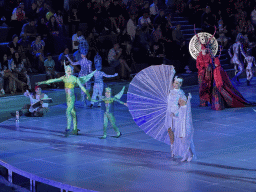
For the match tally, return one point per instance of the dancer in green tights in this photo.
(108, 114)
(70, 82)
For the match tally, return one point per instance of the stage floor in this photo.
(224, 140)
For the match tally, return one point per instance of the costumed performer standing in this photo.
(86, 68)
(237, 49)
(250, 60)
(205, 77)
(224, 93)
(178, 122)
(109, 111)
(70, 82)
(98, 79)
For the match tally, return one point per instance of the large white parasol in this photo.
(147, 100)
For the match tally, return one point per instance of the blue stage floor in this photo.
(225, 142)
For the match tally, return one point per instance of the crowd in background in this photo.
(143, 29)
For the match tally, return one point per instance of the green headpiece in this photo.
(108, 89)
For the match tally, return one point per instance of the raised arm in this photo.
(50, 81)
(242, 50)
(73, 63)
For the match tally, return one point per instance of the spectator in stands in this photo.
(145, 20)
(115, 61)
(194, 12)
(144, 8)
(62, 58)
(25, 52)
(33, 12)
(42, 28)
(178, 36)
(29, 29)
(2, 92)
(250, 29)
(144, 39)
(73, 20)
(38, 52)
(253, 16)
(18, 18)
(240, 15)
(20, 72)
(59, 17)
(161, 20)
(131, 27)
(208, 21)
(240, 28)
(116, 16)
(49, 65)
(154, 9)
(14, 45)
(53, 27)
(6, 70)
(75, 40)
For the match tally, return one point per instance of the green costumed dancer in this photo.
(70, 82)
(108, 114)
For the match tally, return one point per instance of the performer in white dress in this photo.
(179, 122)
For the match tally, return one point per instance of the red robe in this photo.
(231, 96)
(205, 78)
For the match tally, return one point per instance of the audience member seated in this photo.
(18, 18)
(29, 29)
(59, 17)
(33, 11)
(7, 73)
(74, 21)
(2, 92)
(37, 48)
(208, 21)
(157, 54)
(116, 16)
(154, 9)
(145, 20)
(161, 20)
(92, 45)
(253, 16)
(42, 28)
(25, 52)
(53, 27)
(120, 65)
(49, 65)
(14, 45)
(62, 58)
(75, 40)
(131, 27)
(144, 8)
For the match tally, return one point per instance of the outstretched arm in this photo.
(119, 101)
(50, 81)
(83, 89)
(73, 63)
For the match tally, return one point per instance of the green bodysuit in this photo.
(70, 83)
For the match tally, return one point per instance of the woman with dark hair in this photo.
(20, 70)
(38, 52)
(14, 45)
(53, 26)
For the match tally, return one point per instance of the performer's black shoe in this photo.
(248, 83)
(117, 136)
(68, 132)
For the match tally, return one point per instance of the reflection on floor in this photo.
(224, 140)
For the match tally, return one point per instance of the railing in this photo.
(34, 179)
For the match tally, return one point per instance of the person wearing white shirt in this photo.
(75, 40)
(144, 20)
(253, 17)
(131, 27)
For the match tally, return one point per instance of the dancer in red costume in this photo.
(224, 93)
(205, 76)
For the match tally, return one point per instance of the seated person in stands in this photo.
(14, 45)
(145, 21)
(38, 52)
(25, 52)
(62, 58)
(29, 29)
(115, 60)
(2, 92)
(49, 65)
(53, 27)
(21, 72)
(42, 28)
